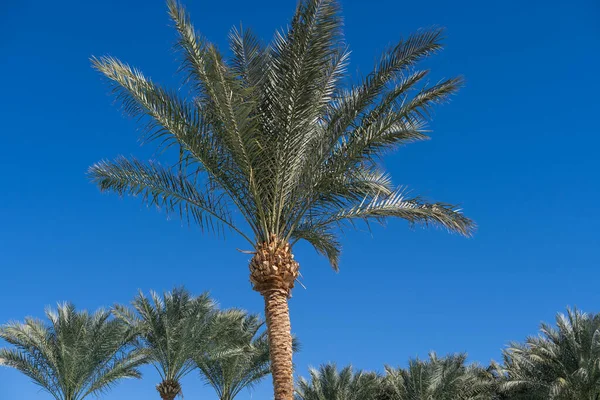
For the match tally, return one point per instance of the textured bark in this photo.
(273, 272)
(273, 267)
(280, 343)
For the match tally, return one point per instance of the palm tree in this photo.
(561, 363)
(274, 134)
(238, 359)
(446, 378)
(327, 383)
(171, 329)
(75, 356)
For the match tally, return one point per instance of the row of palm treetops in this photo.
(75, 354)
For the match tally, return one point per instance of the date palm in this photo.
(439, 378)
(75, 356)
(329, 383)
(171, 329)
(238, 359)
(274, 133)
(561, 363)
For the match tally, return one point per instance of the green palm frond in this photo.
(396, 204)
(440, 378)
(32, 367)
(329, 383)
(394, 63)
(171, 328)
(250, 57)
(176, 121)
(275, 133)
(239, 356)
(76, 355)
(114, 370)
(164, 188)
(322, 239)
(563, 362)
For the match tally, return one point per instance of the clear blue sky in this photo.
(517, 148)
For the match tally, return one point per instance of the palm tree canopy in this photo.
(171, 329)
(439, 378)
(561, 363)
(237, 359)
(76, 355)
(275, 132)
(329, 383)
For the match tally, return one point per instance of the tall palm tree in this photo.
(171, 329)
(75, 356)
(238, 359)
(274, 134)
(561, 363)
(445, 378)
(327, 383)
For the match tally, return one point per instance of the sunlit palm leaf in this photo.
(76, 355)
(276, 133)
(329, 383)
(561, 363)
(239, 358)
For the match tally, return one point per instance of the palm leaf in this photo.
(275, 132)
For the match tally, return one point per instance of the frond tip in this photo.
(414, 210)
(323, 240)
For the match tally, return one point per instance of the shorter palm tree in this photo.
(238, 358)
(327, 383)
(562, 363)
(75, 356)
(439, 378)
(171, 329)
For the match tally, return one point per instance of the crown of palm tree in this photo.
(76, 355)
(238, 359)
(171, 328)
(445, 378)
(561, 363)
(276, 133)
(329, 383)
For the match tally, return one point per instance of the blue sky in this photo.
(517, 148)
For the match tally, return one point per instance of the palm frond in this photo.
(276, 133)
(329, 383)
(239, 356)
(324, 241)
(75, 355)
(397, 204)
(447, 377)
(165, 189)
(171, 328)
(560, 363)
(393, 63)
(33, 367)
(249, 56)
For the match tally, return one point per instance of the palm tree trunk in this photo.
(273, 272)
(280, 343)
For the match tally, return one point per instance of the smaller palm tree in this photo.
(562, 363)
(171, 329)
(238, 358)
(439, 378)
(75, 356)
(327, 383)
